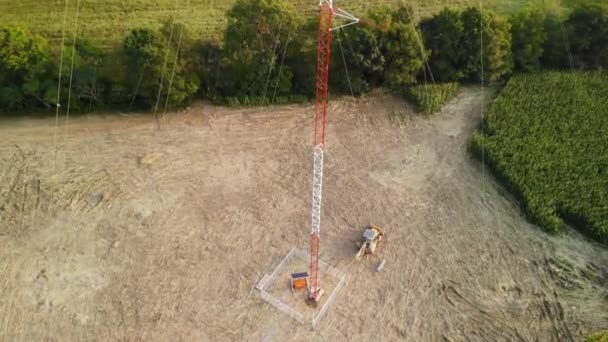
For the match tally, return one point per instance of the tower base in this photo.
(276, 288)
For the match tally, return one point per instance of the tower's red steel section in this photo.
(326, 15)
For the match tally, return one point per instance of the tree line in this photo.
(270, 57)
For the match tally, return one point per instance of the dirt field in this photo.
(129, 233)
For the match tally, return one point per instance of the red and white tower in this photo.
(326, 16)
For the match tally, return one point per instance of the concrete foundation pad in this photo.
(275, 288)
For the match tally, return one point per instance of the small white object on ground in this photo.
(380, 265)
(260, 284)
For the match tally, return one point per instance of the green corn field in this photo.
(546, 137)
(429, 98)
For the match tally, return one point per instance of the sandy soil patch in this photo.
(125, 232)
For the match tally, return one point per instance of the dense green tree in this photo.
(117, 79)
(404, 56)
(528, 36)
(301, 58)
(24, 69)
(274, 54)
(378, 18)
(472, 42)
(209, 56)
(443, 35)
(143, 50)
(178, 35)
(253, 46)
(153, 69)
(588, 29)
(496, 42)
(86, 75)
(367, 54)
(360, 49)
(497, 48)
(402, 50)
(556, 48)
(403, 14)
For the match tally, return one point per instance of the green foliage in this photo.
(363, 56)
(471, 44)
(301, 57)
(86, 75)
(455, 41)
(273, 55)
(143, 50)
(588, 25)
(556, 46)
(252, 45)
(443, 36)
(403, 14)
(600, 336)
(430, 98)
(23, 69)
(546, 140)
(380, 17)
(497, 48)
(528, 36)
(403, 52)
(208, 59)
(496, 40)
(384, 50)
(156, 73)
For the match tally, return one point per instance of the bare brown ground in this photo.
(129, 233)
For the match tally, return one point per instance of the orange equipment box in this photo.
(299, 284)
(299, 281)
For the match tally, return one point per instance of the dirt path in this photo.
(134, 234)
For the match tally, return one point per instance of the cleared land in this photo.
(552, 149)
(107, 22)
(133, 233)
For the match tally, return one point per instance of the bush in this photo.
(208, 59)
(402, 50)
(156, 73)
(528, 36)
(443, 36)
(556, 46)
(364, 60)
(86, 74)
(588, 25)
(24, 69)
(497, 57)
(431, 97)
(453, 38)
(271, 57)
(253, 47)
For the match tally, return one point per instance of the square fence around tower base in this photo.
(275, 288)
